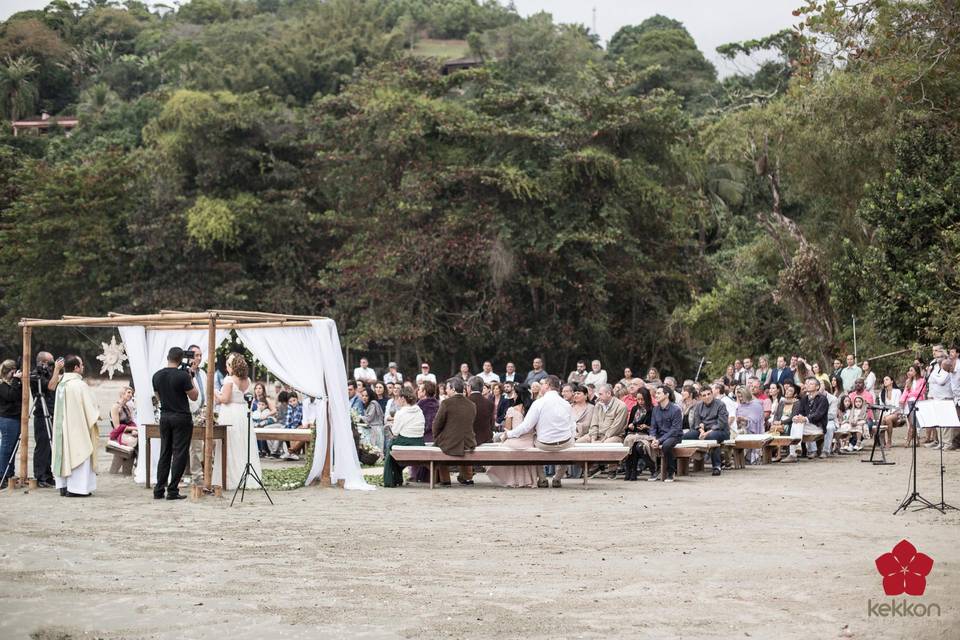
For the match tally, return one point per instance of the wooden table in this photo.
(199, 433)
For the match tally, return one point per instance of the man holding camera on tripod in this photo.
(43, 386)
(175, 388)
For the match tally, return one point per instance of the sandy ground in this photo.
(763, 552)
(783, 551)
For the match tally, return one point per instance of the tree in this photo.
(664, 49)
(18, 92)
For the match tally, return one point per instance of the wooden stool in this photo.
(123, 458)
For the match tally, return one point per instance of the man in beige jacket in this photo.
(608, 422)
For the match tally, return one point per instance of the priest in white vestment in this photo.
(75, 433)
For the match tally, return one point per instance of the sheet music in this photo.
(937, 413)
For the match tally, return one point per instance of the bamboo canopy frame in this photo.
(212, 320)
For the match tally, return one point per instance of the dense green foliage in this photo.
(560, 199)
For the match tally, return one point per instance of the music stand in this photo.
(939, 414)
(877, 436)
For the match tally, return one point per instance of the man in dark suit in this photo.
(453, 426)
(782, 374)
(482, 423)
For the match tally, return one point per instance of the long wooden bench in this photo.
(287, 435)
(498, 455)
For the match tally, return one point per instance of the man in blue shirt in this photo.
(356, 404)
(666, 428)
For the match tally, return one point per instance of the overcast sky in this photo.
(711, 22)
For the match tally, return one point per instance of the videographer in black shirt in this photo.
(43, 381)
(174, 385)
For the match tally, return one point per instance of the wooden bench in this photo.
(498, 455)
(776, 441)
(738, 446)
(123, 457)
(287, 435)
(687, 451)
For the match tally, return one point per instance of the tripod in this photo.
(47, 421)
(248, 470)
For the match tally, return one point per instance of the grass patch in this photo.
(440, 49)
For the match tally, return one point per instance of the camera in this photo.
(187, 360)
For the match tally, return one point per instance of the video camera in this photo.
(187, 360)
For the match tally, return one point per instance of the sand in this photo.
(784, 551)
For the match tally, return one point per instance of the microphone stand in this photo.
(248, 470)
(914, 495)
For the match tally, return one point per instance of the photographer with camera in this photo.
(43, 386)
(174, 385)
(11, 394)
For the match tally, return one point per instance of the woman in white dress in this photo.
(233, 412)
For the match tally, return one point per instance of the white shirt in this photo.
(393, 377)
(552, 418)
(365, 374)
(596, 378)
(311, 411)
(510, 377)
(426, 377)
(955, 382)
(731, 406)
(489, 378)
(869, 383)
(409, 422)
(940, 384)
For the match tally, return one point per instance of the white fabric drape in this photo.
(309, 360)
(345, 464)
(147, 353)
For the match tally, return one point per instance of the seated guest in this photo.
(653, 378)
(429, 405)
(763, 372)
(608, 420)
(356, 404)
(597, 375)
(425, 375)
(810, 418)
(465, 372)
(408, 428)
(380, 391)
(579, 375)
(294, 421)
(855, 422)
(708, 421)
(536, 374)
(783, 413)
(124, 427)
(496, 395)
(374, 417)
(637, 437)
(515, 475)
(582, 410)
(510, 373)
(453, 425)
(890, 396)
(582, 414)
(487, 375)
(914, 387)
(263, 412)
(550, 418)
(688, 397)
(666, 429)
(749, 415)
(630, 397)
(393, 376)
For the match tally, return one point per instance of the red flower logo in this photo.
(904, 570)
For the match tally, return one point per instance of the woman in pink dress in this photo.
(517, 475)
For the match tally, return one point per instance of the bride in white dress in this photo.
(233, 412)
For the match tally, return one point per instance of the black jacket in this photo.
(815, 410)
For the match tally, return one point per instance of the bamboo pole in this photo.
(25, 405)
(114, 321)
(327, 463)
(208, 430)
